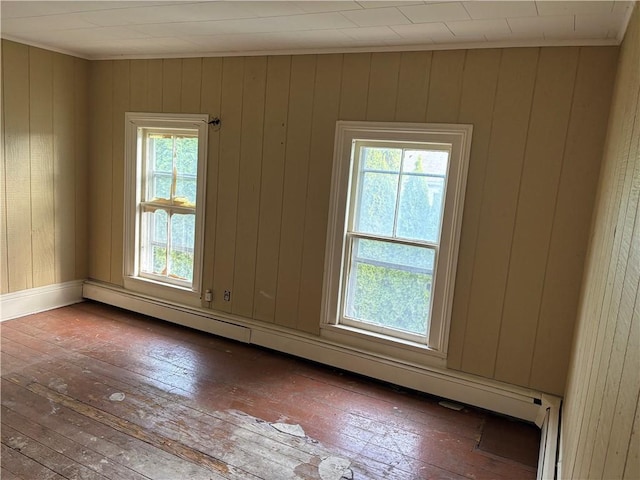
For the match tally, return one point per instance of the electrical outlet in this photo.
(227, 295)
(208, 295)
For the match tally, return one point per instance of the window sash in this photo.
(349, 271)
(147, 242)
(141, 200)
(342, 229)
(352, 233)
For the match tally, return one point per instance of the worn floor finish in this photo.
(90, 391)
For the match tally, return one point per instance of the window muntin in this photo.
(385, 175)
(392, 236)
(164, 215)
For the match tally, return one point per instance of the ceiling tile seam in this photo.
(468, 13)
(405, 16)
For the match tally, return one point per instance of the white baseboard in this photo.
(35, 300)
(469, 389)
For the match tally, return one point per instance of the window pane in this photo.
(159, 221)
(431, 162)
(377, 158)
(186, 155)
(159, 260)
(420, 209)
(153, 252)
(161, 153)
(401, 255)
(387, 294)
(376, 210)
(186, 191)
(182, 242)
(421, 194)
(161, 186)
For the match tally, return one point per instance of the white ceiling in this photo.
(140, 29)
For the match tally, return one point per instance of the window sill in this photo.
(384, 345)
(174, 293)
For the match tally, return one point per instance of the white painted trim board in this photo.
(40, 299)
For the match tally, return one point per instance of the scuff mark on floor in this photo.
(17, 443)
(295, 430)
(58, 385)
(116, 397)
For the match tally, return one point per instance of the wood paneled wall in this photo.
(601, 419)
(539, 117)
(44, 178)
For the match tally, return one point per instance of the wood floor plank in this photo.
(131, 429)
(182, 431)
(10, 364)
(86, 456)
(21, 466)
(114, 445)
(194, 404)
(54, 461)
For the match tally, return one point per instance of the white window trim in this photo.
(459, 136)
(132, 281)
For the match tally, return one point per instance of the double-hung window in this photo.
(164, 214)
(396, 209)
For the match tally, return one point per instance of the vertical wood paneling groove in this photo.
(603, 394)
(355, 86)
(445, 86)
(138, 86)
(517, 207)
(210, 98)
(228, 173)
(625, 362)
(603, 334)
(253, 100)
(171, 84)
(155, 85)
(121, 88)
(413, 86)
(301, 95)
(609, 369)
(554, 89)
(608, 201)
(41, 200)
(631, 469)
(64, 180)
(383, 86)
(17, 165)
(101, 82)
(190, 85)
(272, 183)
(81, 140)
(479, 87)
(506, 152)
(325, 113)
(4, 259)
(567, 248)
(41, 159)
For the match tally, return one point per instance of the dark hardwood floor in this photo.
(90, 391)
